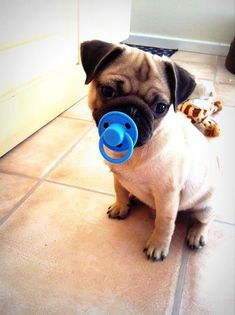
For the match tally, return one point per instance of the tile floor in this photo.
(60, 254)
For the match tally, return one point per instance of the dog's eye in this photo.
(160, 108)
(107, 91)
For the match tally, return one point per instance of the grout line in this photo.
(19, 175)
(79, 187)
(58, 183)
(224, 222)
(40, 180)
(69, 150)
(20, 202)
(54, 165)
(181, 277)
(80, 99)
(228, 106)
(55, 182)
(231, 84)
(182, 273)
(76, 118)
(180, 282)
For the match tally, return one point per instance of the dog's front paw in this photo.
(118, 211)
(156, 249)
(197, 236)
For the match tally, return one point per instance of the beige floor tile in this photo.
(199, 70)
(225, 147)
(36, 155)
(209, 283)
(84, 166)
(12, 189)
(80, 110)
(60, 254)
(194, 57)
(226, 92)
(222, 74)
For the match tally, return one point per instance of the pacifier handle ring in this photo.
(123, 159)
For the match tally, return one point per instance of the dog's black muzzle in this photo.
(134, 107)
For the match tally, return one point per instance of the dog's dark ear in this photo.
(181, 83)
(95, 55)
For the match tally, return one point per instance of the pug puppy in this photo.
(172, 167)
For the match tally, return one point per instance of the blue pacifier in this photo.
(118, 132)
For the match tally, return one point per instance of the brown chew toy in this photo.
(200, 106)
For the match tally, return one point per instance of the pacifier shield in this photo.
(118, 132)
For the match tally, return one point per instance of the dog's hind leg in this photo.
(198, 233)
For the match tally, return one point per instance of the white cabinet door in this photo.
(39, 77)
(39, 51)
(35, 38)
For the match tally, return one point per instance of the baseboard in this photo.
(192, 45)
(25, 110)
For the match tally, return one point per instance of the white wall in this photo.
(191, 20)
(107, 20)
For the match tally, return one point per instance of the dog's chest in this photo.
(139, 183)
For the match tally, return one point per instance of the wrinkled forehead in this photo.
(137, 72)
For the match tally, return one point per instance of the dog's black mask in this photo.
(134, 107)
